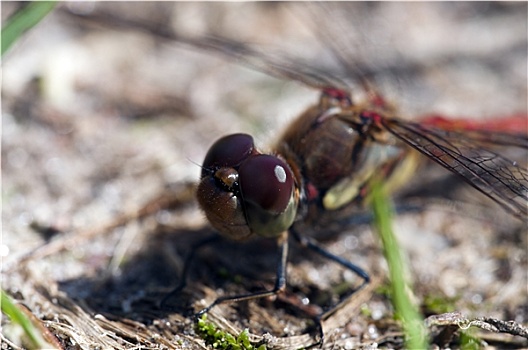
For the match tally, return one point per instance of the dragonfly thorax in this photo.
(337, 151)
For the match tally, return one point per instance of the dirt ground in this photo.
(104, 129)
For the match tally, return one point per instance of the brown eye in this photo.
(243, 192)
(222, 209)
(267, 182)
(228, 151)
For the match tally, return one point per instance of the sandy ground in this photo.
(98, 122)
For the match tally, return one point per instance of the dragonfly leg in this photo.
(280, 283)
(311, 244)
(186, 268)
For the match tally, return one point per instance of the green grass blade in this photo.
(408, 312)
(23, 20)
(34, 336)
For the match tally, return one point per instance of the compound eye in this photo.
(228, 151)
(266, 182)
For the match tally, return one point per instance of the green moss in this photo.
(437, 304)
(469, 342)
(384, 289)
(366, 311)
(219, 339)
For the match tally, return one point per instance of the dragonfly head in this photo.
(244, 192)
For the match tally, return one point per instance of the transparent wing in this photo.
(465, 154)
(278, 65)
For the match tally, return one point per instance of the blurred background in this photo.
(101, 117)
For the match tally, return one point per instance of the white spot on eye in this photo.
(280, 173)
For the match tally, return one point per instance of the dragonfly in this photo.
(325, 160)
